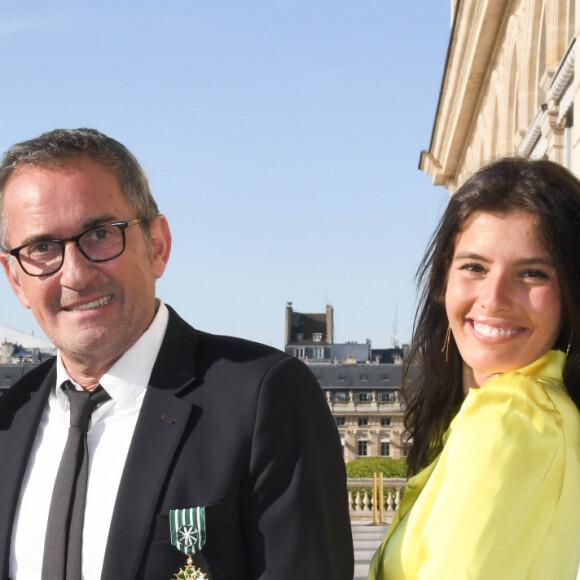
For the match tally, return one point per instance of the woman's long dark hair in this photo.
(551, 194)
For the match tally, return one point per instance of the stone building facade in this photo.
(365, 401)
(362, 385)
(510, 85)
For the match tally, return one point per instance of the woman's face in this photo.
(503, 297)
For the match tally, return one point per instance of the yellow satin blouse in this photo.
(502, 499)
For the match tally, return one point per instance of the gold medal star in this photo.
(190, 572)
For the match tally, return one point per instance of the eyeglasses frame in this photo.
(121, 225)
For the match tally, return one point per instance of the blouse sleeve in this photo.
(496, 487)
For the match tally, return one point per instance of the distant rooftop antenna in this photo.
(395, 335)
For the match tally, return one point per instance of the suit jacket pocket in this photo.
(224, 555)
(218, 516)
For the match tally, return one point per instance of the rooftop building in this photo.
(362, 385)
(20, 353)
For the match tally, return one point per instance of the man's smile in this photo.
(95, 304)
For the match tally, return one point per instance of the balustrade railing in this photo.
(361, 498)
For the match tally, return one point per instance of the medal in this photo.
(190, 572)
(187, 527)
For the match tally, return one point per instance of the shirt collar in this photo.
(126, 380)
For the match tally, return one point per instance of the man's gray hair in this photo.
(56, 148)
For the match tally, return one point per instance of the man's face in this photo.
(94, 312)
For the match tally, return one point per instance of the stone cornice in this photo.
(472, 47)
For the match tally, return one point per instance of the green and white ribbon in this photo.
(188, 529)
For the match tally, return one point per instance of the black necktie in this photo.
(64, 532)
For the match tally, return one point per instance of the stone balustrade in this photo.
(357, 407)
(360, 497)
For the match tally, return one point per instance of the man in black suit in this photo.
(237, 429)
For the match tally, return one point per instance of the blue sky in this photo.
(281, 140)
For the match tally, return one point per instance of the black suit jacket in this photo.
(235, 426)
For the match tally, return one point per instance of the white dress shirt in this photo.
(108, 440)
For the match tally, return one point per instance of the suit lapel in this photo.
(161, 425)
(21, 409)
(157, 435)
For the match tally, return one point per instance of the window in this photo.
(363, 421)
(318, 352)
(299, 352)
(385, 448)
(387, 396)
(341, 379)
(385, 421)
(340, 421)
(341, 396)
(363, 396)
(362, 448)
(317, 336)
(363, 378)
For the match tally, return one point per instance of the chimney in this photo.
(288, 326)
(329, 324)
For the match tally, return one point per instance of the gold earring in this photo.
(446, 343)
(569, 346)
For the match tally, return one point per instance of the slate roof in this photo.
(360, 376)
(25, 340)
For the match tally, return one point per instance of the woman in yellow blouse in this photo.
(495, 455)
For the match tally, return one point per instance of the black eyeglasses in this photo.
(99, 244)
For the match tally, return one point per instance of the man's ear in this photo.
(12, 275)
(160, 244)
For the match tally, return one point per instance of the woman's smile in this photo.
(494, 331)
